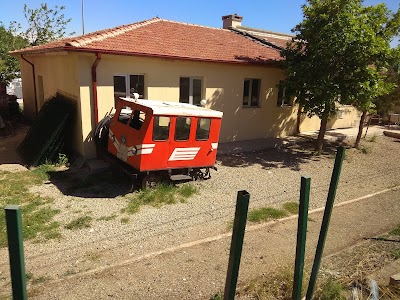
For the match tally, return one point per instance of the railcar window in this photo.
(125, 114)
(203, 129)
(182, 128)
(161, 128)
(137, 119)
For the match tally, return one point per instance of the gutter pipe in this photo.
(94, 86)
(34, 83)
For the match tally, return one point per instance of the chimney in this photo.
(231, 21)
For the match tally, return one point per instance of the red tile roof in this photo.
(169, 39)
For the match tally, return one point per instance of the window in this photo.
(251, 92)
(190, 90)
(124, 114)
(283, 96)
(161, 128)
(137, 119)
(126, 85)
(182, 128)
(203, 129)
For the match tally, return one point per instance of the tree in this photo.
(336, 56)
(45, 24)
(9, 41)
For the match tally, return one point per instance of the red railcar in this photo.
(159, 139)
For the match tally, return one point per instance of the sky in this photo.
(279, 16)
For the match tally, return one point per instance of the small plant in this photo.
(107, 218)
(395, 231)
(365, 149)
(217, 296)
(160, 195)
(125, 220)
(265, 214)
(93, 256)
(291, 207)
(395, 253)
(40, 279)
(330, 290)
(373, 138)
(79, 223)
(62, 160)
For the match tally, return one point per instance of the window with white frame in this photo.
(126, 85)
(284, 98)
(251, 92)
(190, 90)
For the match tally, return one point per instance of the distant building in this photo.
(15, 88)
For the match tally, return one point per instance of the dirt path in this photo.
(198, 271)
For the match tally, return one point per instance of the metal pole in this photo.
(301, 237)
(83, 19)
(239, 226)
(325, 221)
(16, 251)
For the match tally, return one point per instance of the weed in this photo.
(265, 214)
(37, 217)
(62, 160)
(29, 276)
(125, 220)
(160, 195)
(40, 279)
(69, 272)
(395, 231)
(79, 223)
(365, 149)
(107, 218)
(373, 138)
(291, 207)
(330, 290)
(395, 253)
(217, 296)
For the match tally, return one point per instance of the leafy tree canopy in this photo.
(339, 53)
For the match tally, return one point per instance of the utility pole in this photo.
(83, 18)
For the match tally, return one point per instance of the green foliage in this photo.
(9, 41)
(79, 223)
(395, 253)
(217, 296)
(158, 196)
(45, 24)
(265, 214)
(340, 53)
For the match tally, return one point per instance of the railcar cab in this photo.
(154, 136)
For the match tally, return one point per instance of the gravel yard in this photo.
(272, 177)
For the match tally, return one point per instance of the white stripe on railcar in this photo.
(184, 154)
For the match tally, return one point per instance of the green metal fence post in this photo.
(325, 221)
(239, 226)
(301, 237)
(16, 251)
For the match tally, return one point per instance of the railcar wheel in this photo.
(151, 181)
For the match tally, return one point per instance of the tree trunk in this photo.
(360, 129)
(321, 134)
(298, 119)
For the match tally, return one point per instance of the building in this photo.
(235, 69)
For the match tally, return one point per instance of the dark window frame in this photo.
(248, 83)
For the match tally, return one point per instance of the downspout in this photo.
(94, 85)
(34, 83)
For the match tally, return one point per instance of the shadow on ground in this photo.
(290, 157)
(104, 184)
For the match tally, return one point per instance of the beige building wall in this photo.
(222, 88)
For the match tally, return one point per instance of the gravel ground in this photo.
(272, 177)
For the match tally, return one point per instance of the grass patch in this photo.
(40, 279)
(79, 223)
(365, 149)
(217, 296)
(93, 256)
(373, 138)
(329, 290)
(395, 253)
(107, 218)
(291, 207)
(395, 231)
(159, 196)
(265, 213)
(37, 215)
(125, 220)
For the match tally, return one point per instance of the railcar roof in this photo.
(176, 108)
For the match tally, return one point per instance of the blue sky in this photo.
(280, 16)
